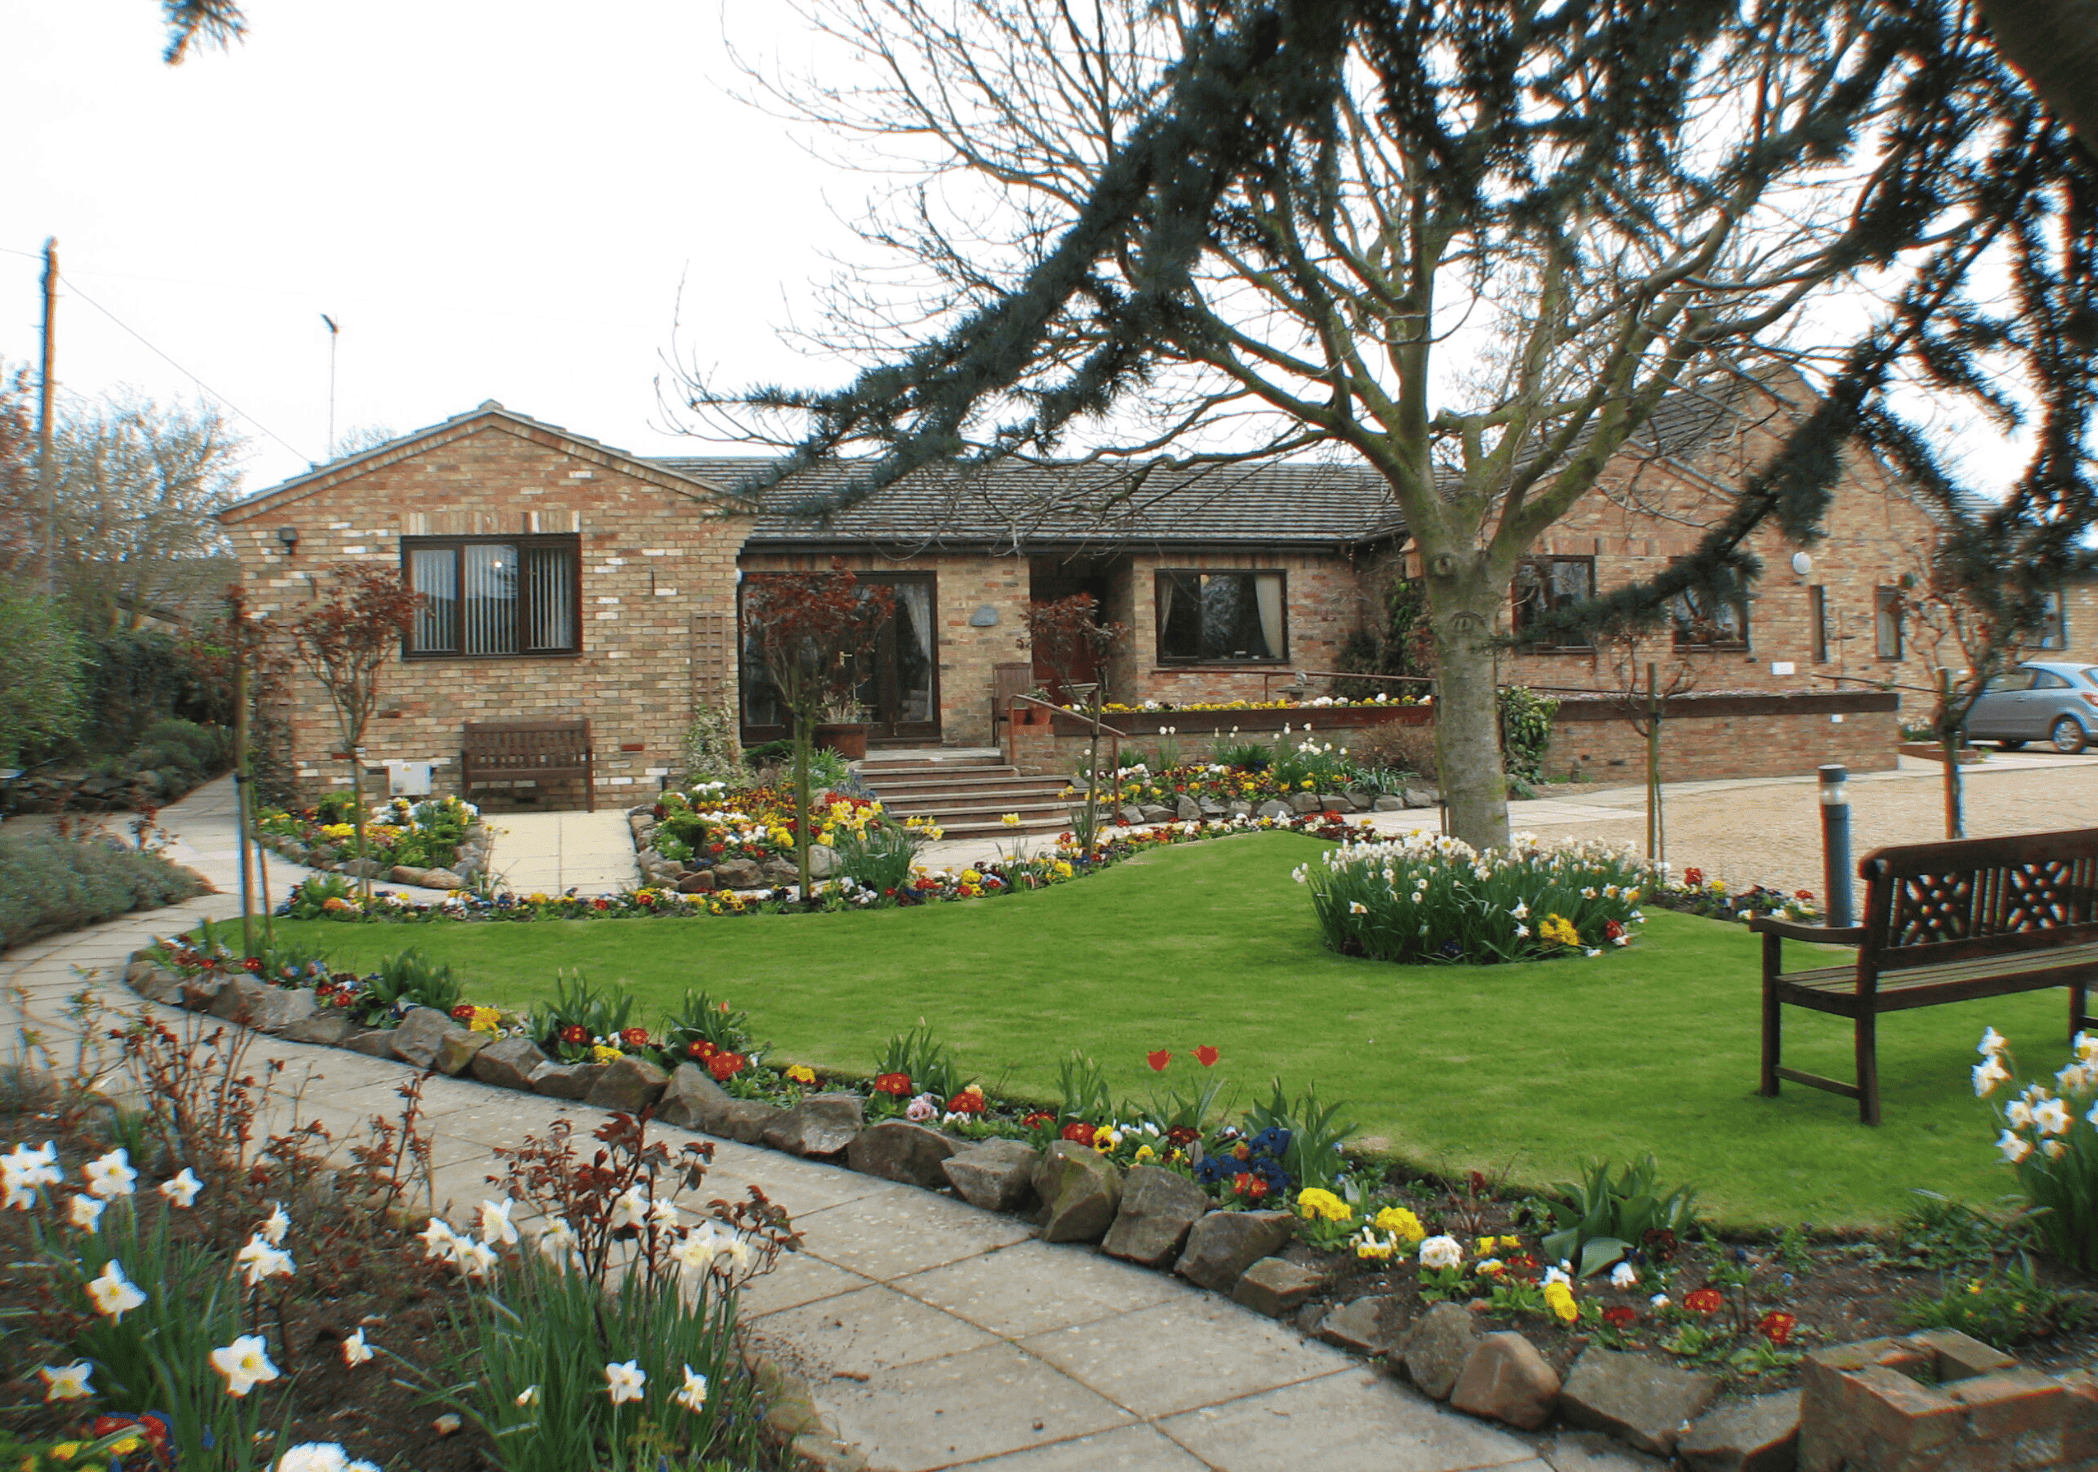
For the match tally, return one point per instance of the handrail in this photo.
(1065, 710)
(1092, 778)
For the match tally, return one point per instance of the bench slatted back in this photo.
(521, 746)
(1928, 903)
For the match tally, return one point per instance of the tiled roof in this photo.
(1021, 504)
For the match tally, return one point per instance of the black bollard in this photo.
(1835, 843)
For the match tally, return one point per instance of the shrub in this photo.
(2051, 1139)
(49, 882)
(1428, 898)
(42, 657)
(711, 749)
(1395, 747)
(1526, 731)
(410, 979)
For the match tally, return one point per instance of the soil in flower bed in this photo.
(1834, 1290)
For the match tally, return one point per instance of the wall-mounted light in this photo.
(288, 539)
(1802, 564)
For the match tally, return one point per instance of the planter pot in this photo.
(849, 742)
(1030, 715)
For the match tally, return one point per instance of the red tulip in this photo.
(1158, 1060)
(1207, 1057)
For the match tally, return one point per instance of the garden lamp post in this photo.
(1835, 842)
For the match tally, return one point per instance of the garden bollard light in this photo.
(1835, 843)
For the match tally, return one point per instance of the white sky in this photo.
(494, 201)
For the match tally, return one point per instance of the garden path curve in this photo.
(934, 1334)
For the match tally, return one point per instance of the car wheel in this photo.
(2018, 745)
(2068, 736)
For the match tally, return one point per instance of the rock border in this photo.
(1156, 1218)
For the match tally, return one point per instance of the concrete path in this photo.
(936, 1335)
(547, 853)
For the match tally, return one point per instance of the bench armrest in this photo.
(1827, 935)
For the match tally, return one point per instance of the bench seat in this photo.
(530, 751)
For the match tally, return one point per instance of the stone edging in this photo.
(1964, 1390)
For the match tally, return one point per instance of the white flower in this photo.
(275, 1225)
(1987, 1075)
(2052, 1118)
(182, 1190)
(2019, 1113)
(1992, 1043)
(439, 1241)
(2086, 1047)
(1556, 1275)
(86, 1212)
(694, 1395)
(1522, 932)
(630, 1210)
(22, 1170)
(664, 1214)
(1592, 952)
(66, 1382)
(115, 1295)
(1357, 907)
(245, 1363)
(1521, 911)
(259, 1260)
(1624, 1275)
(623, 1382)
(111, 1175)
(1441, 1252)
(2014, 1147)
(1658, 1301)
(316, 1456)
(557, 1241)
(1415, 896)
(2053, 1149)
(476, 1259)
(529, 1396)
(354, 1350)
(495, 1222)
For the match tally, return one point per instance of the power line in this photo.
(200, 383)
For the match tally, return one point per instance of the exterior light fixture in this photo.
(288, 539)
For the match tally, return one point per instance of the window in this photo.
(2048, 680)
(1216, 616)
(1702, 624)
(1886, 622)
(2054, 632)
(489, 596)
(1546, 584)
(1817, 622)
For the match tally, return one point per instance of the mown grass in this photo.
(1523, 1070)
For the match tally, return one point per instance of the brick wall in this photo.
(657, 598)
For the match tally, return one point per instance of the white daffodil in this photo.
(275, 1225)
(623, 1382)
(111, 1175)
(2019, 1113)
(476, 1259)
(663, 1214)
(320, 1456)
(694, 1396)
(86, 1212)
(1992, 1043)
(66, 1382)
(2052, 1117)
(245, 1363)
(1987, 1075)
(439, 1240)
(629, 1210)
(1658, 1301)
(529, 1396)
(1437, 1253)
(354, 1350)
(23, 1170)
(2015, 1147)
(495, 1222)
(1521, 910)
(181, 1190)
(2086, 1046)
(1624, 1275)
(113, 1294)
(2053, 1149)
(558, 1241)
(1522, 932)
(259, 1260)
(1357, 907)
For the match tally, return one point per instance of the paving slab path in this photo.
(934, 1334)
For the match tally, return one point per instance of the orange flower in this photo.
(898, 1084)
(1207, 1057)
(1158, 1060)
(1704, 1301)
(1777, 1327)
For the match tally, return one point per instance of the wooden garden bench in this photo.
(512, 751)
(1943, 922)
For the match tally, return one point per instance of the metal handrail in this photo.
(1099, 729)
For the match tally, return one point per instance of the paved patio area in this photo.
(936, 1335)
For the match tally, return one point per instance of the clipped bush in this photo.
(50, 882)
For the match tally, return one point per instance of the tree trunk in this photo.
(1463, 597)
(803, 725)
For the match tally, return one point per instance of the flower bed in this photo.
(1694, 894)
(207, 1296)
(442, 841)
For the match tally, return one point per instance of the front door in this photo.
(901, 688)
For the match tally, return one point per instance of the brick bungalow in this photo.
(568, 578)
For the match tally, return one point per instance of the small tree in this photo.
(344, 641)
(810, 628)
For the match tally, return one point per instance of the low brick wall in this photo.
(1702, 736)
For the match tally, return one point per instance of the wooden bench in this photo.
(1943, 922)
(514, 751)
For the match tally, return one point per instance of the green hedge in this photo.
(49, 883)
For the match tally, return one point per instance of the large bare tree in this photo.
(1288, 219)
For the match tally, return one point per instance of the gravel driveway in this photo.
(1769, 832)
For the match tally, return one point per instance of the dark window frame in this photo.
(1735, 643)
(571, 542)
(1887, 624)
(1817, 621)
(2054, 635)
(1183, 661)
(1515, 600)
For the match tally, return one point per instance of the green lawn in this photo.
(1523, 1069)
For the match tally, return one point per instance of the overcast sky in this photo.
(494, 201)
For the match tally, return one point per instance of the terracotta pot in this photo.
(849, 742)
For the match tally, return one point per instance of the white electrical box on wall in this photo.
(1781, 667)
(408, 779)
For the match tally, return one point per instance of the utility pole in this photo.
(334, 333)
(46, 478)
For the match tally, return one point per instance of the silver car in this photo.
(2057, 703)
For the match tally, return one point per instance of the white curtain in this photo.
(1165, 600)
(1267, 589)
(914, 653)
(491, 598)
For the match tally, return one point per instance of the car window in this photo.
(2090, 674)
(2008, 681)
(2048, 680)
